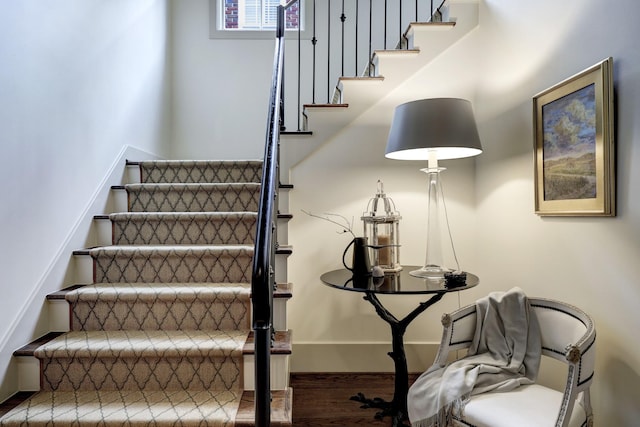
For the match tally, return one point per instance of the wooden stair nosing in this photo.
(282, 344)
(29, 349)
(282, 186)
(283, 290)
(433, 25)
(280, 250)
(305, 106)
(361, 79)
(283, 216)
(284, 250)
(383, 52)
(14, 401)
(60, 295)
(296, 132)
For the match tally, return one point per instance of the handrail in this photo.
(262, 279)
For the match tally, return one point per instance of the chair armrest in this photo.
(458, 330)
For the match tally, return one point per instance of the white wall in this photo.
(80, 83)
(220, 89)
(591, 262)
(210, 120)
(82, 80)
(520, 48)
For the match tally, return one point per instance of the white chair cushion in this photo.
(526, 406)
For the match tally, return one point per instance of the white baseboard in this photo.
(358, 357)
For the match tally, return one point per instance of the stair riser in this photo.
(29, 372)
(200, 172)
(171, 266)
(105, 235)
(159, 373)
(188, 231)
(159, 315)
(59, 315)
(193, 198)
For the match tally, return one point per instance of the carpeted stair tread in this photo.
(178, 197)
(282, 290)
(152, 306)
(143, 360)
(282, 343)
(194, 228)
(200, 171)
(159, 292)
(202, 408)
(121, 344)
(173, 263)
(182, 249)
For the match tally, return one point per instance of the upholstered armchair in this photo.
(567, 334)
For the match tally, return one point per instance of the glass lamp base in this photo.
(430, 272)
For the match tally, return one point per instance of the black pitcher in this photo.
(361, 266)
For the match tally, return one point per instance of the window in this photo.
(251, 18)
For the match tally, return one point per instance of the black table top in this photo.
(393, 283)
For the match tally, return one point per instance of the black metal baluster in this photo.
(400, 25)
(299, 62)
(342, 19)
(282, 74)
(385, 24)
(416, 11)
(356, 29)
(328, 51)
(370, 31)
(314, 41)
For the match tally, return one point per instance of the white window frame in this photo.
(217, 31)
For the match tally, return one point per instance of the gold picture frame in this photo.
(574, 145)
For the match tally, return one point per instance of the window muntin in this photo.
(255, 15)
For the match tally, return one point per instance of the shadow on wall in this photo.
(620, 385)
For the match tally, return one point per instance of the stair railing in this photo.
(263, 274)
(344, 35)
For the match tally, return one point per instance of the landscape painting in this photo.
(574, 152)
(569, 146)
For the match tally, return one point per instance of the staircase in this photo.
(157, 332)
(157, 329)
(356, 96)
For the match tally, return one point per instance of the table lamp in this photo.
(434, 129)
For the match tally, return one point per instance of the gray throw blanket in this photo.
(504, 354)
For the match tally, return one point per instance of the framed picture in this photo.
(574, 145)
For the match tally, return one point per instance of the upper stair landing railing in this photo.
(344, 34)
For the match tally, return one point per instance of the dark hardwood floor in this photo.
(322, 399)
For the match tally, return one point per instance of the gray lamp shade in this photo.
(445, 126)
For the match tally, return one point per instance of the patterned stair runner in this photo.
(157, 339)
